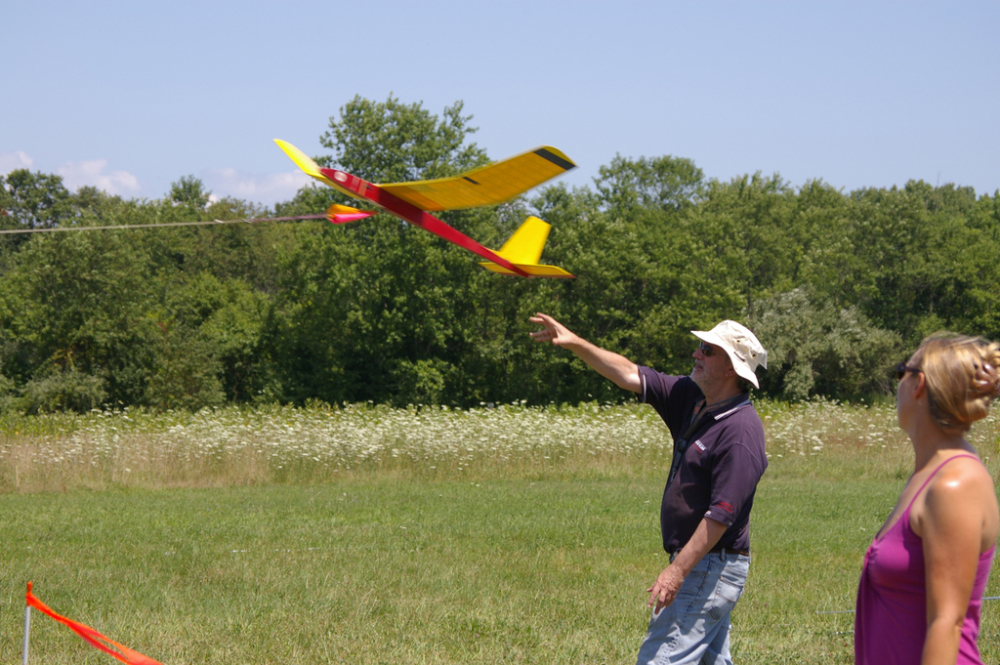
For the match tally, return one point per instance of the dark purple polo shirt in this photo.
(719, 470)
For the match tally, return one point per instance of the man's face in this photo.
(712, 367)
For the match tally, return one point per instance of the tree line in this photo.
(839, 286)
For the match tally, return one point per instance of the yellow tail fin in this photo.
(524, 249)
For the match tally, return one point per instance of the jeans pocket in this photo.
(724, 599)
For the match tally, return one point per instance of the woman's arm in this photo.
(951, 518)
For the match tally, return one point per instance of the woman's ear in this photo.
(920, 385)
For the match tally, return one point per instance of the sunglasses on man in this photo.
(706, 349)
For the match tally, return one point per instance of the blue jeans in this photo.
(695, 627)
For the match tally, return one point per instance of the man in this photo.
(705, 513)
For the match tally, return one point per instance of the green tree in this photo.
(217, 323)
(164, 317)
(189, 191)
(371, 311)
(745, 227)
(667, 182)
(379, 310)
(33, 200)
(79, 303)
(920, 262)
(29, 201)
(394, 142)
(185, 371)
(838, 286)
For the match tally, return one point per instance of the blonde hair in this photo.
(962, 378)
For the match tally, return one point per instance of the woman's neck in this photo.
(930, 442)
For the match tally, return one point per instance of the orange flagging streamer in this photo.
(91, 636)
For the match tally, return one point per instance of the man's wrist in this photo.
(684, 563)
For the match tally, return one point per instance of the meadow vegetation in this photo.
(361, 533)
(283, 444)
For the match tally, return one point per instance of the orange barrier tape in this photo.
(91, 636)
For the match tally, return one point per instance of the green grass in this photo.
(543, 560)
(352, 572)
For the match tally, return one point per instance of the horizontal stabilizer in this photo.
(340, 214)
(524, 249)
(534, 270)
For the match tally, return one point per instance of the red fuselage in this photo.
(414, 215)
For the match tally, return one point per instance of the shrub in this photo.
(815, 348)
(63, 390)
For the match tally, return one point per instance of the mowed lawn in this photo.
(417, 572)
(389, 567)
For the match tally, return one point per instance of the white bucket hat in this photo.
(740, 345)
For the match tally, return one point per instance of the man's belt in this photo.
(718, 550)
(715, 550)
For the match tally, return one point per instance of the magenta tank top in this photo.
(891, 620)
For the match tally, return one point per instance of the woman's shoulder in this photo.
(962, 470)
(962, 491)
(960, 477)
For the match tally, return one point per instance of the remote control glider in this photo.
(414, 201)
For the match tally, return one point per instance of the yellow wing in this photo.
(484, 186)
(304, 162)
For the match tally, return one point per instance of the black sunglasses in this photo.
(902, 368)
(706, 349)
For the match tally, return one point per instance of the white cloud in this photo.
(91, 173)
(11, 161)
(266, 189)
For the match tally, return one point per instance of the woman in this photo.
(924, 574)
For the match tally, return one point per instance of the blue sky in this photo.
(130, 96)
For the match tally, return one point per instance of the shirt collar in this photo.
(729, 406)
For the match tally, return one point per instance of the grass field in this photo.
(368, 535)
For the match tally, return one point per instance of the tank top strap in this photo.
(931, 477)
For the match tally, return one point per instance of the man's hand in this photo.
(705, 537)
(665, 589)
(553, 331)
(620, 370)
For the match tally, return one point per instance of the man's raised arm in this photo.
(617, 368)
